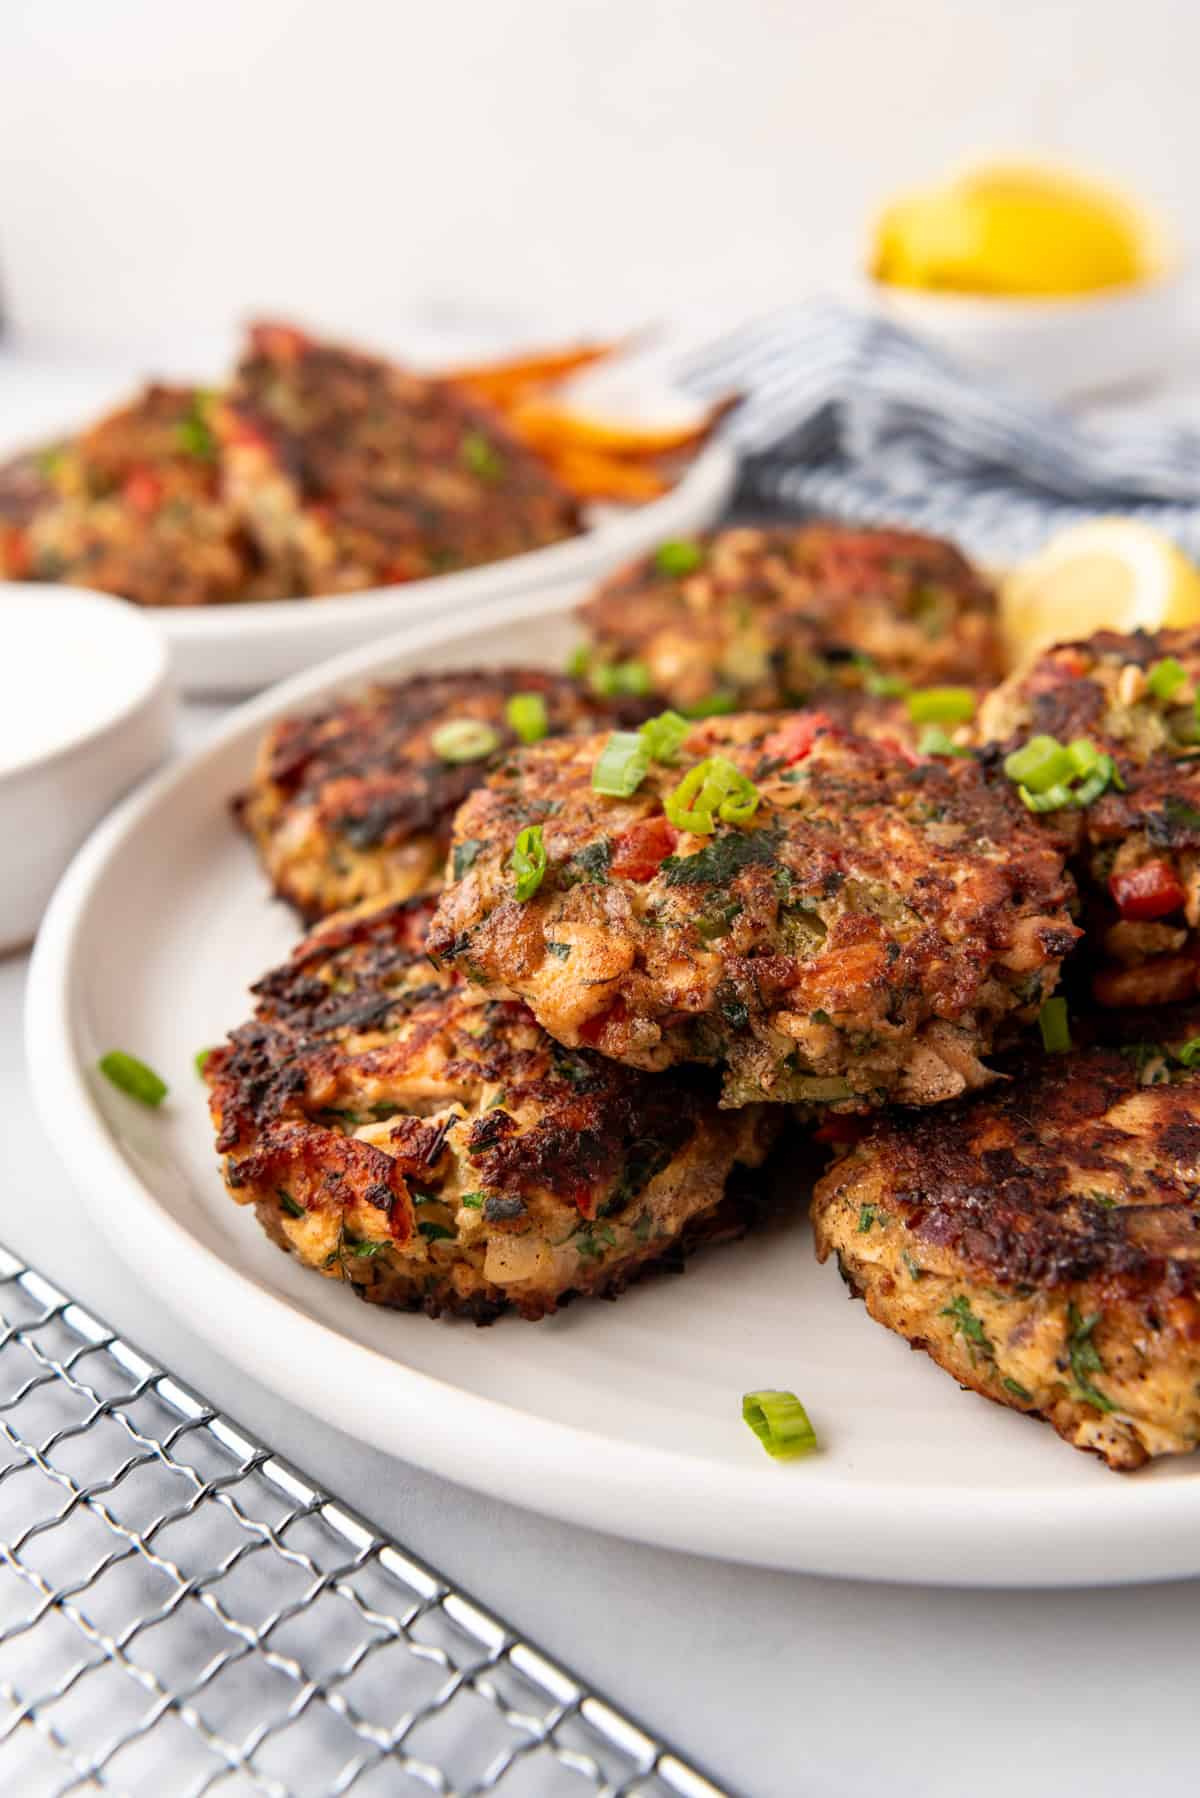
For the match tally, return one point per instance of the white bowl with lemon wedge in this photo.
(1065, 284)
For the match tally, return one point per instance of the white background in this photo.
(164, 168)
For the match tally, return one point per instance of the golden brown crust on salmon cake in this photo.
(354, 803)
(1042, 1242)
(861, 925)
(1136, 848)
(352, 473)
(755, 618)
(395, 1130)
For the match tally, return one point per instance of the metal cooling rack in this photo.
(183, 1612)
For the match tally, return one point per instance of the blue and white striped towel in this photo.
(848, 416)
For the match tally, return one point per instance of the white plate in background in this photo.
(238, 649)
(626, 1417)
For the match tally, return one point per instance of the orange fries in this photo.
(597, 458)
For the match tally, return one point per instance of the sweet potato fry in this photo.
(591, 475)
(546, 426)
(505, 381)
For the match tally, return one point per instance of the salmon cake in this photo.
(437, 1151)
(1042, 1241)
(755, 618)
(355, 803)
(1128, 706)
(352, 473)
(835, 922)
(133, 506)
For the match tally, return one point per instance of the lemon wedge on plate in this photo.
(1108, 574)
(1015, 230)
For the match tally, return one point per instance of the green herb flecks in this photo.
(721, 860)
(590, 864)
(436, 1232)
(481, 458)
(866, 1219)
(466, 854)
(194, 434)
(969, 1327)
(1085, 1358)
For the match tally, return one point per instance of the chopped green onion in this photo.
(663, 737)
(473, 1200)
(528, 862)
(941, 705)
(780, 1422)
(133, 1077)
(526, 713)
(712, 789)
(934, 741)
(201, 1059)
(716, 705)
(1055, 1026)
(622, 765)
(1039, 765)
(1103, 774)
(577, 661)
(1165, 677)
(878, 684)
(610, 679)
(1188, 1054)
(683, 556)
(1083, 754)
(480, 457)
(1053, 800)
(1046, 772)
(464, 740)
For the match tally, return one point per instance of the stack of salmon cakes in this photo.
(783, 857)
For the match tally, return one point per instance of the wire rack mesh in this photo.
(181, 1611)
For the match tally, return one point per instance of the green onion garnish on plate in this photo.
(780, 1422)
(464, 740)
(133, 1077)
(201, 1060)
(526, 713)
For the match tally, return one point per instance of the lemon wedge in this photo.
(1108, 574)
(1015, 230)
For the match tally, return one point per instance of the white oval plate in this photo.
(626, 1417)
(238, 649)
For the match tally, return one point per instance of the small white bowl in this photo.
(1060, 348)
(86, 709)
